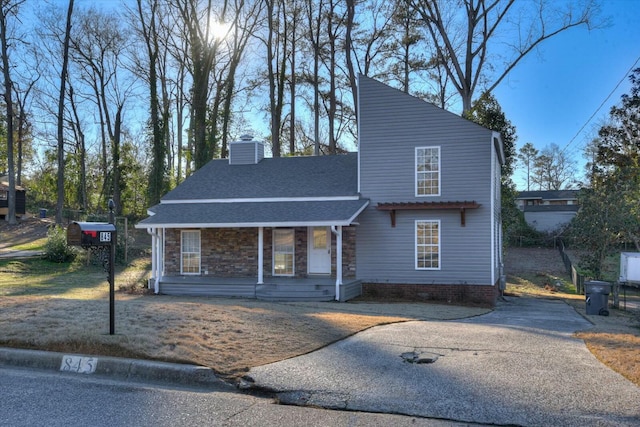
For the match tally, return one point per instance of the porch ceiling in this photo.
(254, 214)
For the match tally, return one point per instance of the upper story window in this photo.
(3, 195)
(428, 171)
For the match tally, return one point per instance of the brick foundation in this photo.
(483, 295)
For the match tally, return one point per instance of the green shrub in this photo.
(56, 249)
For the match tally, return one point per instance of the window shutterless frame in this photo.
(427, 167)
(190, 252)
(283, 252)
(427, 245)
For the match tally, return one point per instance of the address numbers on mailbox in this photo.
(88, 234)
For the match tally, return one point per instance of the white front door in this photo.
(319, 250)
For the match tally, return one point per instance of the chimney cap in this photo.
(246, 137)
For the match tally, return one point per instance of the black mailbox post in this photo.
(99, 237)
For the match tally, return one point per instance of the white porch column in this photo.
(260, 255)
(338, 233)
(159, 252)
(154, 237)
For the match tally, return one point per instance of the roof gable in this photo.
(383, 91)
(377, 97)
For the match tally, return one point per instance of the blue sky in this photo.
(552, 94)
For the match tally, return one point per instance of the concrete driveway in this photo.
(518, 365)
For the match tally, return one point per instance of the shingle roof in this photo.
(313, 176)
(319, 190)
(254, 214)
(549, 195)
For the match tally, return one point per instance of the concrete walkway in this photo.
(518, 365)
(17, 254)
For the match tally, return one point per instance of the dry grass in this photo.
(228, 335)
(617, 350)
(65, 307)
(614, 339)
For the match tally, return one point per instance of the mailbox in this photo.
(88, 234)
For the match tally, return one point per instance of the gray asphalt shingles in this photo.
(315, 177)
(254, 213)
(311, 176)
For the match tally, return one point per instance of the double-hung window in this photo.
(283, 252)
(428, 245)
(190, 252)
(427, 171)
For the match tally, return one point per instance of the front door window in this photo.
(319, 250)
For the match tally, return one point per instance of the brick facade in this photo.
(483, 295)
(233, 252)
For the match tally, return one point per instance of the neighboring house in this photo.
(414, 214)
(548, 211)
(4, 196)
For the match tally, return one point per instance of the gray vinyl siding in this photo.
(392, 124)
(388, 255)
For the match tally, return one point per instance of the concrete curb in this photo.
(114, 367)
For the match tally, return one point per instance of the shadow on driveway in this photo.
(518, 365)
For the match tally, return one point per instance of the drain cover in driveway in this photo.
(418, 358)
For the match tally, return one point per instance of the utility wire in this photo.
(601, 105)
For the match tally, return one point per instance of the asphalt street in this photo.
(44, 398)
(518, 365)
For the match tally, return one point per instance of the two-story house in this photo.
(414, 214)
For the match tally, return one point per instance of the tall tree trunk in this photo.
(332, 83)
(275, 90)
(8, 93)
(292, 87)
(115, 151)
(82, 152)
(348, 51)
(63, 82)
(315, 25)
(157, 175)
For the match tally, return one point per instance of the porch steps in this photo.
(181, 285)
(306, 289)
(292, 292)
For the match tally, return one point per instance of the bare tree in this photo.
(314, 11)
(98, 45)
(527, 156)
(63, 82)
(553, 169)
(277, 52)
(23, 88)
(158, 123)
(463, 38)
(8, 10)
(198, 22)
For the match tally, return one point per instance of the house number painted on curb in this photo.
(79, 364)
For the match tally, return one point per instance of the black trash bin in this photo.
(43, 213)
(597, 297)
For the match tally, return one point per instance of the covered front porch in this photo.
(297, 250)
(273, 288)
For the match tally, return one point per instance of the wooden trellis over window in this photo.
(417, 206)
